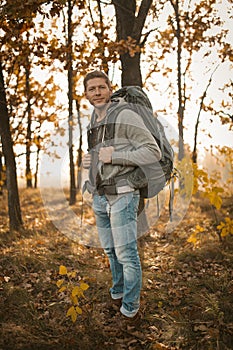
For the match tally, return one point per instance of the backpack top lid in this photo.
(138, 101)
(134, 95)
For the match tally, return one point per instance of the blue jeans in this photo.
(117, 229)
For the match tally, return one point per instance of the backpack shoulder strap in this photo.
(111, 122)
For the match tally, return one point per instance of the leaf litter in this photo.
(186, 296)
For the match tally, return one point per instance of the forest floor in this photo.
(187, 295)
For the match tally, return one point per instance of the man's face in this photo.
(98, 92)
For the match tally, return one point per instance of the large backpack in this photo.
(149, 179)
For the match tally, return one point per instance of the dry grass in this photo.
(186, 296)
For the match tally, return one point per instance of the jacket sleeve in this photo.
(134, 144)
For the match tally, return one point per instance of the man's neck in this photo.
(101, 112)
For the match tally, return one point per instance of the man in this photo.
(115, 201)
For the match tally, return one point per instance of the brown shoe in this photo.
(131, 321)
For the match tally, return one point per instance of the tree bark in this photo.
(79, 159)
(72, 198)
(7, 146)
(29, 125)
(181, 96)
(130, 25)
(100, 37)
(194, 153)
(1, 171)
(37, 160)
(131, 71)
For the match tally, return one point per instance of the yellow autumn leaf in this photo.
(217, 189)
(160, 304)
(74, 317)
(73, 274)
(226, 227)
(62, 289)
(59, 283)
(74, 300)
(72, 313)
(192, 238)
(217, 202)
(84, 286)
(224, 232)
(199, 228)
(62, 270)
(77, 291)
(220, 226)
(79, 310)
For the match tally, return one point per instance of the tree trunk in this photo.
(194, 153)
(7, 146)
(100, 37)
(130, 26)
(37, 160)
(72, 198)
(131, 71)
(79, 160)
(29, 124)
(1, 174)
(181, 98)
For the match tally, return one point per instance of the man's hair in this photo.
(96, 74)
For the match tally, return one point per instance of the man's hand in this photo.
(105, 154)
(86, 161)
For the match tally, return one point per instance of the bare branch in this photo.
(141, 18)
(194, 154)
(146, 36)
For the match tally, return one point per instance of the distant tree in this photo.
(194, 152)
(77, 57)
(100, 34)
(79, 158)
(70, 4)
(191, 30)
(11, 175)
(38, 143)
(29, 117)
(31, 102)
(1, 172)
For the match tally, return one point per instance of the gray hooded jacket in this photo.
(134, 146)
